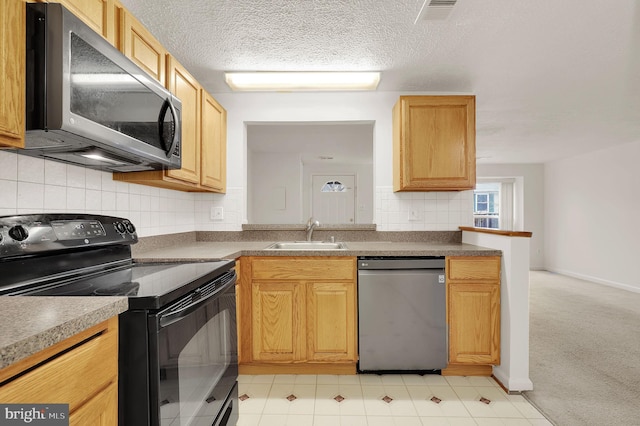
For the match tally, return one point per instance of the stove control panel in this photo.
(29, 234)
(78, 229)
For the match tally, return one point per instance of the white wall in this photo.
(530, 188)
(513, 371)
(435, 211)
(274, 181)
(364, 187)
(591, 209)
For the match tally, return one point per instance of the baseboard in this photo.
(597, 280)
(512, 384)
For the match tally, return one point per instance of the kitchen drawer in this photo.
(476, 268)
(303, 268)
(72, 377)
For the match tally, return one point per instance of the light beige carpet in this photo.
(584, 352)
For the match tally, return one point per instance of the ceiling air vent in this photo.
(435, 10)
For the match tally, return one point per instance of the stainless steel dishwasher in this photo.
(402, 314)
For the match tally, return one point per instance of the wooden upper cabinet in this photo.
(12, 80)
(98, 14)
(187, 89)
(213, 173)
(434, 143)
(204, 121)
(138, 44)
(188, 177)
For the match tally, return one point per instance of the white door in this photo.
(333, 198)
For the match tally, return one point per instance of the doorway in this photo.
(333, 198)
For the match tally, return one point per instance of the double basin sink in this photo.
(307, 245)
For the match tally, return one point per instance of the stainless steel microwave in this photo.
(88, 104)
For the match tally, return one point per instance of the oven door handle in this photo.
(171, 317)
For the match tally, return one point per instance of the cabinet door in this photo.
(277, 324)
(474, 322)
(187, 89)
(213, 174)
(141, 47)
(67, 373)
(434, 143)
(12, 59)
(98, 14)
(331, 314)
(101, 410)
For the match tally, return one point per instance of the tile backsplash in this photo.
(422, 211)
(34, 185)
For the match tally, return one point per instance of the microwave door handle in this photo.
(176, 124)
(172, 317)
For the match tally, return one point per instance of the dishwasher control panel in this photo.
(424, 262)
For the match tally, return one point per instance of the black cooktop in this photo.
(148, 285)
(70, 254)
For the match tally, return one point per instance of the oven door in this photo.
(196, 360)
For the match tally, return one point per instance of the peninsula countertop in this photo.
(209, 250)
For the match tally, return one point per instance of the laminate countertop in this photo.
(208, 250)
(29, 324)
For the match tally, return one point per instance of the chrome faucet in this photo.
(311, 225)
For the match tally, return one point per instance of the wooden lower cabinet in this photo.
(331, 318)
(81, 371)
(101, 410)
(298, 315)
(278, 326)
(473, 314)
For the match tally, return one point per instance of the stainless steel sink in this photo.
(307, 245)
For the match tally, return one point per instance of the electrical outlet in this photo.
(217, 213)
(414, 215)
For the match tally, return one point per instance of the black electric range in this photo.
(178, 312)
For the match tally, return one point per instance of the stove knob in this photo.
(120, 227)
(19, 233)
(130, 228)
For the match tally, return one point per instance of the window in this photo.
(494, 203)
(333, 186)
(486, 205)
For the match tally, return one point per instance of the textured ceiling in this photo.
(552, 78)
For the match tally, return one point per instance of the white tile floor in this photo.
(388, 400)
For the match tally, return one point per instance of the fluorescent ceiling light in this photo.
(302, 81)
